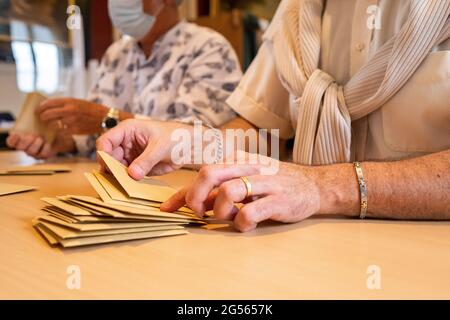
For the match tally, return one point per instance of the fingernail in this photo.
(136, 172)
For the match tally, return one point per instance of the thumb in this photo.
(143, 164)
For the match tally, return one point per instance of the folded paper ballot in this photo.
(73, 220)
(145, 189)
(27, 120)
(7, 188)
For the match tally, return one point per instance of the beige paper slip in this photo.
(97, 187)
(53, 211)
(7, 189)
(52, 241)
(27, 120)
(125, 216)
(56, 235)
(74, 210)
(115, 194)
(65, 233)
(133, 203)
(102, 226)
(147, 189)
(34, 170)
(25, 173)
(52, 168)
(149, 211)
(78, 242)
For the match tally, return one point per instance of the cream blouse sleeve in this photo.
(260, 97)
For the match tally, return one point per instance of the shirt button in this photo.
(360, 47)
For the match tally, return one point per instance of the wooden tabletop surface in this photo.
(317, 258)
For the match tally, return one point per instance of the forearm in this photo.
(241, 136)
(409, 189)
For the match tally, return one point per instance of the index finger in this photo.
(178, 200)
(52, 103)
(212, 176)
(175, 202)
(111, 140)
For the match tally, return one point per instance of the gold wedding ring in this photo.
(248, 186)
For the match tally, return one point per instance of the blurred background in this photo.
(54, 46)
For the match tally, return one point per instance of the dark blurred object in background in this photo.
(6, 122)
(239, 4)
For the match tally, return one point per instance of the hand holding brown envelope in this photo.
(126, 210)
(29, 122)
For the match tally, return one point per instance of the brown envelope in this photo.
(147, 189)
(149, 211)
(105, 185)
(119, 237)
(74, 210)
(28, 122)
(102, 226)
(52, 241)
(6, 188)
(65, 233)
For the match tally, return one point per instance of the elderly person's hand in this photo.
(145, 146)
(74, 116)
(293, 194)
(36, 146)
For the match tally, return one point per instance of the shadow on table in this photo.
(263, 229)
(272, 227)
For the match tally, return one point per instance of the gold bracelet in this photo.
(362, 189)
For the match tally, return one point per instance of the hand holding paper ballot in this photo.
(38, 139)
(144, 146)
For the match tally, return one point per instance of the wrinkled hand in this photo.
(73, 115)
(290, 195)
(36, 146)
(143, 145)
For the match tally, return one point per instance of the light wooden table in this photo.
(317, 258)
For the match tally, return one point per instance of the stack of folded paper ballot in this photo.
(126, 210)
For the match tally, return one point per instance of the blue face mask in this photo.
(129, 17)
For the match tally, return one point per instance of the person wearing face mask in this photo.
(162, 69)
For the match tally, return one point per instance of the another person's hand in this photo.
(75, 116)
(293, 194)
(36, 146)
(145, 146)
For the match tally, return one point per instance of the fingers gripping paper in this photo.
(148, 189)
(127, 210)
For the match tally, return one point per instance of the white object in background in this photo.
(263, 24)
(76, 27)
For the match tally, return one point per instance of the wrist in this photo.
(123, 115)
(338, 189)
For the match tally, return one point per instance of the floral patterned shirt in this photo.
(189, 75)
